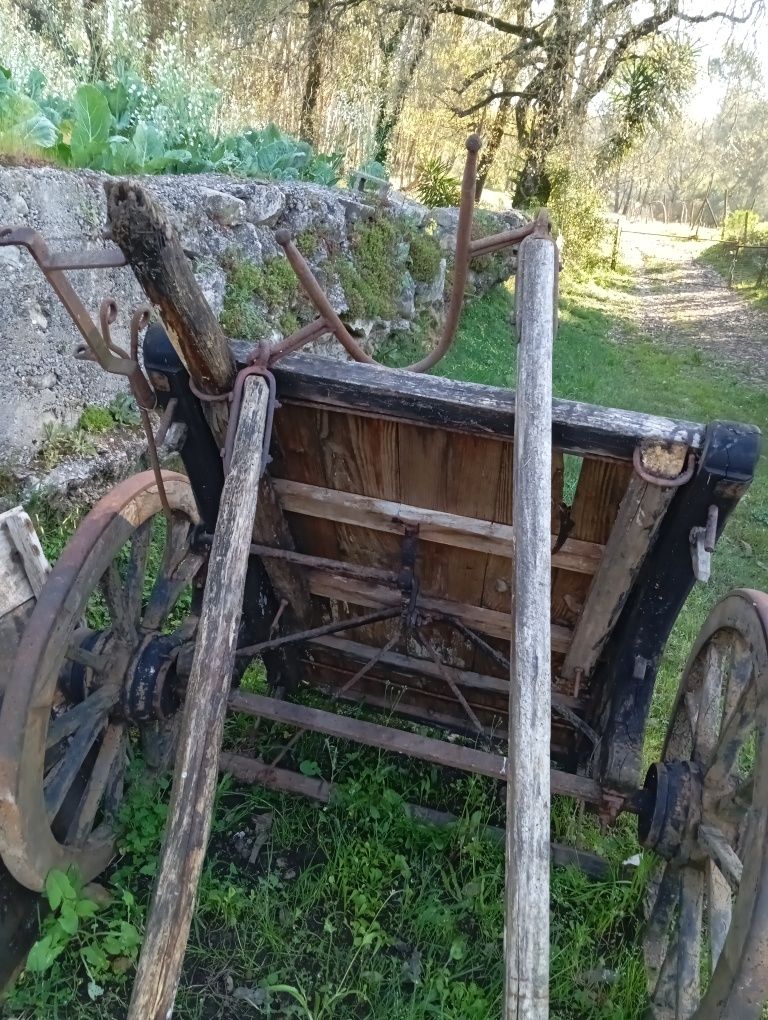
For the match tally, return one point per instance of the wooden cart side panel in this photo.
(599, 492)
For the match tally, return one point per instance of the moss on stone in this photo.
(308, 242)
(424, 256)
(274, 284)
(371, 274)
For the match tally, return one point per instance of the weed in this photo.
(96, 419)
(81, 940)
(123, 409)
(60, 441)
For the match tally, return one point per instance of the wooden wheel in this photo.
(707, 938)
(97, 660)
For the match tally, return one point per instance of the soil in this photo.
(680, 302)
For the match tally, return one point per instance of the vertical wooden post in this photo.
(616, 242)
(197, 760)
(526, 934)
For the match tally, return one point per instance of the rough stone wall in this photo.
(41, 382)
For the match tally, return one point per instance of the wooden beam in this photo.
(414, 745)
(577, 427)
(434, 525)
(151, 245)
(427, 667)
(487, 621)
(640, 514)
(526, 927)
(205, 705)
(248, 770)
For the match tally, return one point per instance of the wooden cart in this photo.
(385, 537)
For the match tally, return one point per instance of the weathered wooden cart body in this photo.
(359, 529)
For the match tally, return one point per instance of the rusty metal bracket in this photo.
(702, 540)
(106, 353)
(666, 483)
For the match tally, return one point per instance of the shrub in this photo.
(436, 186)
(737, 221)
(575, 204)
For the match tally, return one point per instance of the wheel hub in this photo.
(670, 820)
(151, 686)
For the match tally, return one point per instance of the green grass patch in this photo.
(746, 270)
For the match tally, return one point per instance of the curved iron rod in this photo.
(466, 249)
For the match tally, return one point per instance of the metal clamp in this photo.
(666, 483)
(234, 415)
(702, 540)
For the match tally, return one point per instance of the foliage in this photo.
(85, 937)
(123, 409)
(60, 441)
(744, 225)
(648, 88)
(576, 206)
(435, 185)
(122, 127)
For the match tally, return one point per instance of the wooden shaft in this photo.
(197, 760)
(526, 934)
(140, 226)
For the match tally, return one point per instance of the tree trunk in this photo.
(94, 23)
(393, 100)
(490, 150)
(316, 17)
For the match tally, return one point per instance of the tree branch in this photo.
(521, 31)
(698, 19)
(489, 98)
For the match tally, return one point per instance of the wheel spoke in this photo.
(168, 589)
(689, 942)
(656, 942)
(114, 594)
(137, 569)
(59, 782)
(82, 822)
(722, 853)
(706, 723)
(85, 658)
(93, 708)
(737, 727)
(718, 911)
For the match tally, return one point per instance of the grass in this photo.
(354, 909)
(744, 269)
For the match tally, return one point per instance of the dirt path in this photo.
(680, 302)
